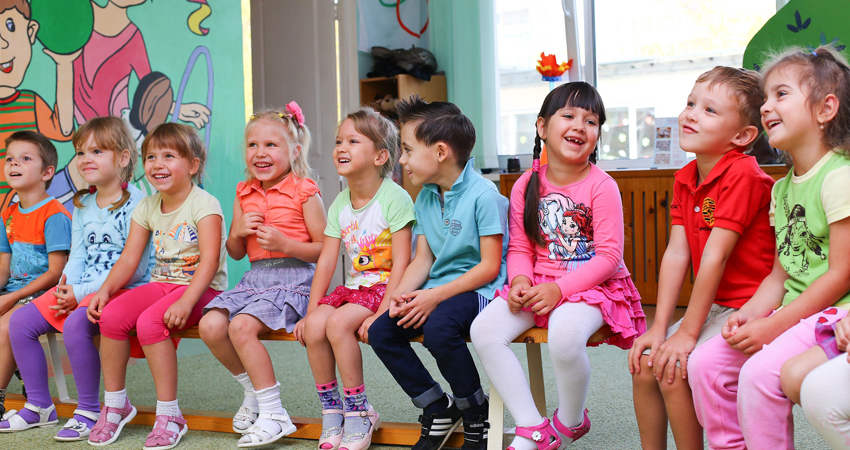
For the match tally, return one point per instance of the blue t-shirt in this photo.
(32, 233)
(454, 223)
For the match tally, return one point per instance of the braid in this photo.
(125, 197)
(530, 222)
(78, 197)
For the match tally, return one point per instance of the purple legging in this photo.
(82, 353)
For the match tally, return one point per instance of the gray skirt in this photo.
(277, 296)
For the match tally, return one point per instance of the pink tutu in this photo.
(617, 298)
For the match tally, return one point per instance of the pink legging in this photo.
(739, 400)
(142, 310)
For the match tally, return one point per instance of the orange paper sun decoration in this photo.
(550, 69)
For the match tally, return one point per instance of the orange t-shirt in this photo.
(281, 206)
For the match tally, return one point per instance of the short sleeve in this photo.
(332, 228)
(491, 213)
(771, 213)
(744, 193)
(206, 205)
(141, 214)
(676, 205)
(4, 242)
(398, 209)
(836, 202)
(307, 189)
(57, 233)
(417, 219)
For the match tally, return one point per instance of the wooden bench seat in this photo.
(310, 428)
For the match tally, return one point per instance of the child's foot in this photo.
(244, 418)
(78, 427)
(110, 423)
(30, 417)
(571, 434)
(166, 433)
(438, 426)
(539, 437)
(332, 420)
(475, 427)
(268, 428)
(358, 429)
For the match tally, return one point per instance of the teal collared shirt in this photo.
(454, 223)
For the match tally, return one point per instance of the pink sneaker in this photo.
(161, 437)
(104, 432)
(574, 433)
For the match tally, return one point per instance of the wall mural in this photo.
(64, 62)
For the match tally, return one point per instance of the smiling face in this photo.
(99, 166)
(267, 153)
(710, 121)
(355, 154)
(420, 162)
(570, 135)
(168, 172)
(17, 36)
(786, 114)
(24, 168)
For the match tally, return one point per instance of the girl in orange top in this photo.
(279, 221)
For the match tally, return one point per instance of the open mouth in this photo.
(6, 67)
(688, 129)
(160, 177)
(574, 141)
(773, 123)
(15, 174)
(262, 165)
(343, 160)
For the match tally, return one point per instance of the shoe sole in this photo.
(30, 426)
(283, 432)
(449, 434)
(69, 439)
(117, 433)
(176, 441)
(369, 443)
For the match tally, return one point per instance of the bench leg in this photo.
(497, 421)
(58, 371)
(535, 377)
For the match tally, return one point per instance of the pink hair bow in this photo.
(295, 111)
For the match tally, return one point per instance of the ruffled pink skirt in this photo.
(617, 298)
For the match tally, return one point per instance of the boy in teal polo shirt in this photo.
(462, 223)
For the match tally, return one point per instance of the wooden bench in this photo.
(395, 433)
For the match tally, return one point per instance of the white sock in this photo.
(115, 399)
(268, 400)
(250, 399)
(169, 409)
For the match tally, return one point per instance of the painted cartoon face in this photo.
(710, 120)
(267, 153)
(421, 162)
(17, 36)
(786, 115)
(800, 235)
(569, 227)
(354, 153)
(23, 166)
(169, 172)
(570, 134)
(97, 165)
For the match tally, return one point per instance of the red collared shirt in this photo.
(735, 196)
(281, 206)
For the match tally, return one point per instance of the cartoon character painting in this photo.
(798, 240)
(376, 255)
(568, 227)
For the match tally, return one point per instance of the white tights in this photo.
(825, 396)
(570, 326)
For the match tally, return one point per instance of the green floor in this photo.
(204, 384)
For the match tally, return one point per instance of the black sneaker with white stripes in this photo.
(475, 431)
(437, 427)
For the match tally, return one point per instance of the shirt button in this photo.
(696, 208)
(446, 221)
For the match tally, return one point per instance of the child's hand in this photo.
(752, 336)
(6, 303)
(271, 239)
(842, 334)
(96, 305)
(420, 305)
(248, 224)
(363, 332)
(397, 302)
(177, 314)
(66, 301)
(736, 320)
(674, 350)
(519, 287)
(542, 298)
(651, 340)
(299, 330)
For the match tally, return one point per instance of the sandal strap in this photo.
(364, 413)
(575, 432)
(543, 435)
(43, 413)
(93, 416)
(274, 416)
(333, 411)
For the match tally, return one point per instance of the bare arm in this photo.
(324, 271)
(55, 263)
(316, 219)
(5, 268)
(401, 259)
(417, 272)
(674, 269)
(137, 242)
(235, 244)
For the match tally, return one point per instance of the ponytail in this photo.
(530, 221)
(125, 196)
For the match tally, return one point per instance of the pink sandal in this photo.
(544, 435)
(161, 437)
(104, 432)
(331, 437)
(574, 433)
(360, 441)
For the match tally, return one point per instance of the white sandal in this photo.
(17, 423)
(244, 419)
(78, 427)
(256, 436)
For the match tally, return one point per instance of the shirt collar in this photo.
(285, 186)
(462, 181)
(689, 174)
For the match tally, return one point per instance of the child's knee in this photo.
(437, 335)
(339, 327)
(380, 333)
(645, 378)
(314, 328)
(150, 328)
(244, 328)
(791, 379)
(214, 326)
(678, 386)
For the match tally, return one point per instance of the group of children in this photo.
(766, 308)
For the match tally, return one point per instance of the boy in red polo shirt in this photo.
(720, 223)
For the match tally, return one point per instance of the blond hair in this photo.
(109, 133)
(181, 138)
(296, 135)
(745, 85)
(381, 131)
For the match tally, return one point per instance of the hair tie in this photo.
(92, 189)
(124, 185)
(295, 112)
(815, 53)
(535, 166)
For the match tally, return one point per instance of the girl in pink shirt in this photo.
(278, 220)
(566, 270)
